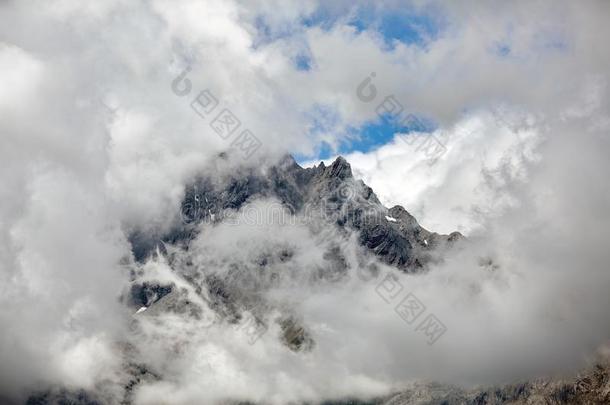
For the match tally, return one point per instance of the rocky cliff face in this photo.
(318, 198)
(318, 194)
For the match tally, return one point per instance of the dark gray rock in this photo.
(320, 193)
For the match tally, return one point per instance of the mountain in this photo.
(321, 193)
(318, 199)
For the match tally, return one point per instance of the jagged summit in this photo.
(340, 168)
(329, 192)
(344, 231)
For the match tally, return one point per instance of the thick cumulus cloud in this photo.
(96, 143)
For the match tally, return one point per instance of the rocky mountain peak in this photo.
(339, 168)
(393, 235)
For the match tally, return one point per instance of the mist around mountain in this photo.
(236, 270)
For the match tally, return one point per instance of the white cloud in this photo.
(94, 143)
(453, 186)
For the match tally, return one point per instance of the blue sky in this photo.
(367, 137)
(402, 24)
(393, 26)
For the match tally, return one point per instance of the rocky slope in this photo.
(317, 197)
(321, 193)
(591, 387)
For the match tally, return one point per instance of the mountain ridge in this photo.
(330, 192)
